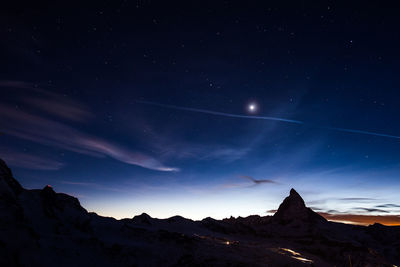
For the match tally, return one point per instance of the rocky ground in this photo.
(45, 228)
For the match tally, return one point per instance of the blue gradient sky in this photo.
(75, 84)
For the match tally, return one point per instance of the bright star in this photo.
(252, 107)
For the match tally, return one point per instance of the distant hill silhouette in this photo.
(45, 228)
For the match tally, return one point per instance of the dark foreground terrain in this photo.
(45, 228)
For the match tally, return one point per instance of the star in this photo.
(252, 107)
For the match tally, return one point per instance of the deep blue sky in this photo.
(73, 80)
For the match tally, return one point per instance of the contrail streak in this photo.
(218, 113)
(362, 132)
(205, 111)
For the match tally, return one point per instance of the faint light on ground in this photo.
(293, 254)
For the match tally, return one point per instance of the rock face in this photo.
(46, 228)
(8, 185)
(294, 209)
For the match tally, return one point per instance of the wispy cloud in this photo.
(350, 210)
(251, 182)
(62, 107)
(203, 152)
(28, 125)
(388, 206)
(45, 131)
(127, 156)
(226, 154)
(171, 143)
(258, 181)
(24, 160)
(345, 199)
(357, 199)
(50, 102)
(233, 185)
(371, 210)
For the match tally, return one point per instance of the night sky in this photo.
(170, 107)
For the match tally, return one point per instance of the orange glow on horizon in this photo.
(388, 220)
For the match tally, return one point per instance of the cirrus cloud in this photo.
(29, 161)
(31, 124)
(45, 131)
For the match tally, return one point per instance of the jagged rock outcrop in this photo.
(16, 235)
(10, 210)
(9, 186)
(294, 209)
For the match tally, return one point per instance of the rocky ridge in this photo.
(45, 228)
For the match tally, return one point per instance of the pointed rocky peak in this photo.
(293, 208)
(293, 193)
(294, 197)
(294, 203)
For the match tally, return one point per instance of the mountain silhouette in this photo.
(293, 208)
(41, 227)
